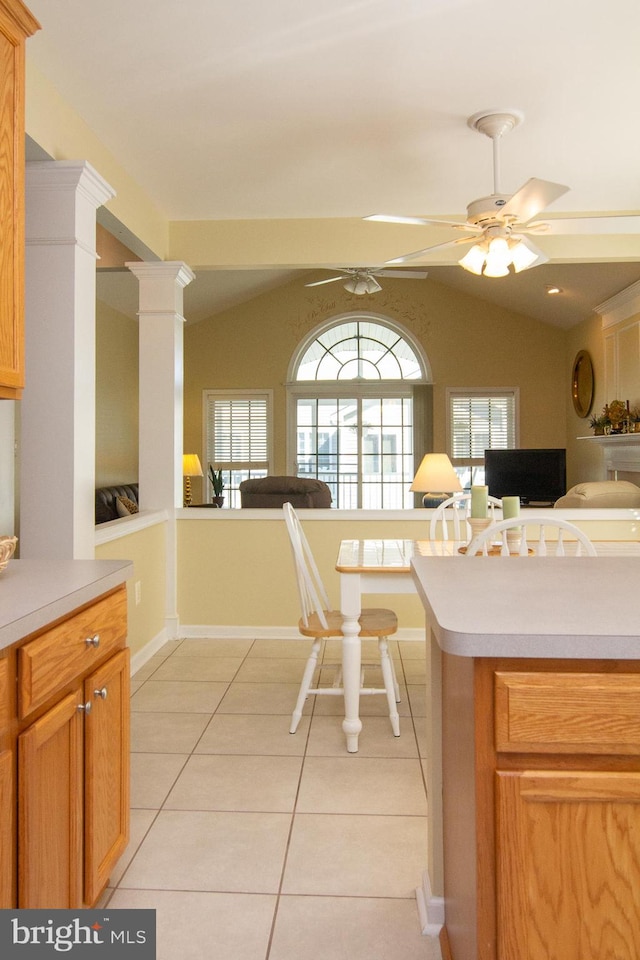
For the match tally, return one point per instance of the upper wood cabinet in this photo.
(16, 24)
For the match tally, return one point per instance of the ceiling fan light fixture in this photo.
(496, 267)
(526, 255)
(359, 285)
(499, 253)
(473, 260)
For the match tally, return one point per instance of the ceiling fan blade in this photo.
(403, 274)
(622, 223)
(531, 198)
(423, 221)
(319, 283)
(438, 246)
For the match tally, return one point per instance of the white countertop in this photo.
(566, 607)
(33, 593)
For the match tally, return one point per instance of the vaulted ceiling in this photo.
(292, 110)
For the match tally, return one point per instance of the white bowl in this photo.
(7, 549)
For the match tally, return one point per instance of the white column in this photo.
(57, 472)
(161, 339)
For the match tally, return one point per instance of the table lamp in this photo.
(191, 467)
(436, 473)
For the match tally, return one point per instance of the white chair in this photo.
(319, 621)
(455, 511)
(509, 537)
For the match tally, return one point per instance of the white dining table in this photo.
(372, 566)
(384, 566)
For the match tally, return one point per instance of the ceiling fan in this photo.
(361, 280)
(499, 225)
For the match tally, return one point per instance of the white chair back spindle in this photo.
(454, 513)
(523, 544)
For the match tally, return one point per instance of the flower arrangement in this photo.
(616, 417)
(616, 412)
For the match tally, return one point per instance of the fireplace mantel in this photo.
(621, 453)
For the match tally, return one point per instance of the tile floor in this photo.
(253, 844)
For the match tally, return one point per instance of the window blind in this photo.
(238, 432)
(479, 423)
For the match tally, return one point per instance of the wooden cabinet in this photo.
(72, 742)
(553, 824)
(7, 845)
(106, 772)
(7, 802)
(568, 867)
(16, 24)
(50, 806)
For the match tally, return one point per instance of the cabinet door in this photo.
(106, 830)
(15, 23)
(568, 865)
(50, 808)
(7, 846)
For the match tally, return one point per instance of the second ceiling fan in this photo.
(362, 280)
(499, 225)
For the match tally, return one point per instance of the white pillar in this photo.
(161, 338)
(57, 472)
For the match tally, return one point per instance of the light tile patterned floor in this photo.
(253, 844)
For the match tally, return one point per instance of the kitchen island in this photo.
(534, 755)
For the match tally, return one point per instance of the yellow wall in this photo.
(147, 550)
(584, 460)
(238, 572)
(116, 397)
(55, 127)
(469, 343)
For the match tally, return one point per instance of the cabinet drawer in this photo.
(68, 651)
(567, 713)
(4, 695)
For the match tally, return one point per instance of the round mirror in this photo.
(582, 383)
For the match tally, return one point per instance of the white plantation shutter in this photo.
(480, 421)
(238, 430)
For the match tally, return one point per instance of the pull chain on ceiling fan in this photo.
(499, 224)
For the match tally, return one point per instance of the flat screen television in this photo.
(536, 476)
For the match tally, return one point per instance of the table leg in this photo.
(350, 607)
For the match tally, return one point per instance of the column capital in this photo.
(69, 175)
(174, 270)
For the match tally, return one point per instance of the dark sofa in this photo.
(107, 500)
(275, 491)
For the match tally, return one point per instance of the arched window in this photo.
(353, 386)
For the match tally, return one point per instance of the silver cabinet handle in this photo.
(93, 641)
(100, 694)
(85, 707)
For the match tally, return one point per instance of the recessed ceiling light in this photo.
(552, 289)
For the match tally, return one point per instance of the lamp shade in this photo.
(191, 466)
(436, 474)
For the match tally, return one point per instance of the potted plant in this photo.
(217, 483)
(598, 424)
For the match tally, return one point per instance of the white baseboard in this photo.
(227, 632)
(139, 658)
(211, 632)
(430, 908)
